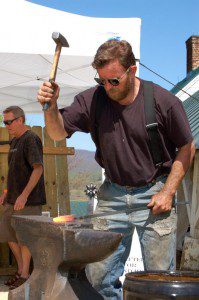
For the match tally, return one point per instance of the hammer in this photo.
(60, 42)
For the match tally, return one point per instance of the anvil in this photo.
(60, 254)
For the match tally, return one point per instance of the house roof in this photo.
(191, 104)
(180, 85)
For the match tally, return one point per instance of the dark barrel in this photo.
(161, 285)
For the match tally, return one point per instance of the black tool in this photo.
(127, 211)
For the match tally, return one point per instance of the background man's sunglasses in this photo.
(112, 81)
(9, 122)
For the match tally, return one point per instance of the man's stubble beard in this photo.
(119, 95)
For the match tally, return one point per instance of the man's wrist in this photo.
(168, 191)
(25, 195)
(51, 109)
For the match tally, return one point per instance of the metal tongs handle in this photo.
(127, 211)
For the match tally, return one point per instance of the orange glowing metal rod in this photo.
(64, 219)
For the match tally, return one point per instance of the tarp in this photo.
(27, 49)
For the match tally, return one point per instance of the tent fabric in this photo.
(27, 49)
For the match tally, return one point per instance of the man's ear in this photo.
(133, 69)
(21, 120)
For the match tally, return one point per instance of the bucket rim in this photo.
(135, 276)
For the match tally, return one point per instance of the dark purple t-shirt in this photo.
(25, 151)
(123, 138)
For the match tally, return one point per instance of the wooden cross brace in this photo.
(46, 150)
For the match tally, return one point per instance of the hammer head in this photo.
(59, 39)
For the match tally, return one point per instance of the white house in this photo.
(187, 90)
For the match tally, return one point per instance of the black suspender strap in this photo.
(155, 143)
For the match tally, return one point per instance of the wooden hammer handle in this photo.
(54, 69)
(55, 62)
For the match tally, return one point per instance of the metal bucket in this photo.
(161, 285)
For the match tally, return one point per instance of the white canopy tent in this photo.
(27, 49)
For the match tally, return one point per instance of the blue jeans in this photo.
(157, 234)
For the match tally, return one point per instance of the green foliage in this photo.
(1, 120)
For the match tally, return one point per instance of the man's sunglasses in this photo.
(112, 81)
(9, 122)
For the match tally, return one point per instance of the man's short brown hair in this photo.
(112, 50)
(16, 110)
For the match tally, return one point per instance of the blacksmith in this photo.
(132, 179)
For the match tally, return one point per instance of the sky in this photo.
(165, 27)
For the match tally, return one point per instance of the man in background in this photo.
(25, 192)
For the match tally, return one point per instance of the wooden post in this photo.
(62, 182)
(4, 249)
(187, 188)
(4, 136)
(195, 199)
(50, 177)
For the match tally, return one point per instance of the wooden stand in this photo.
(190, 253)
